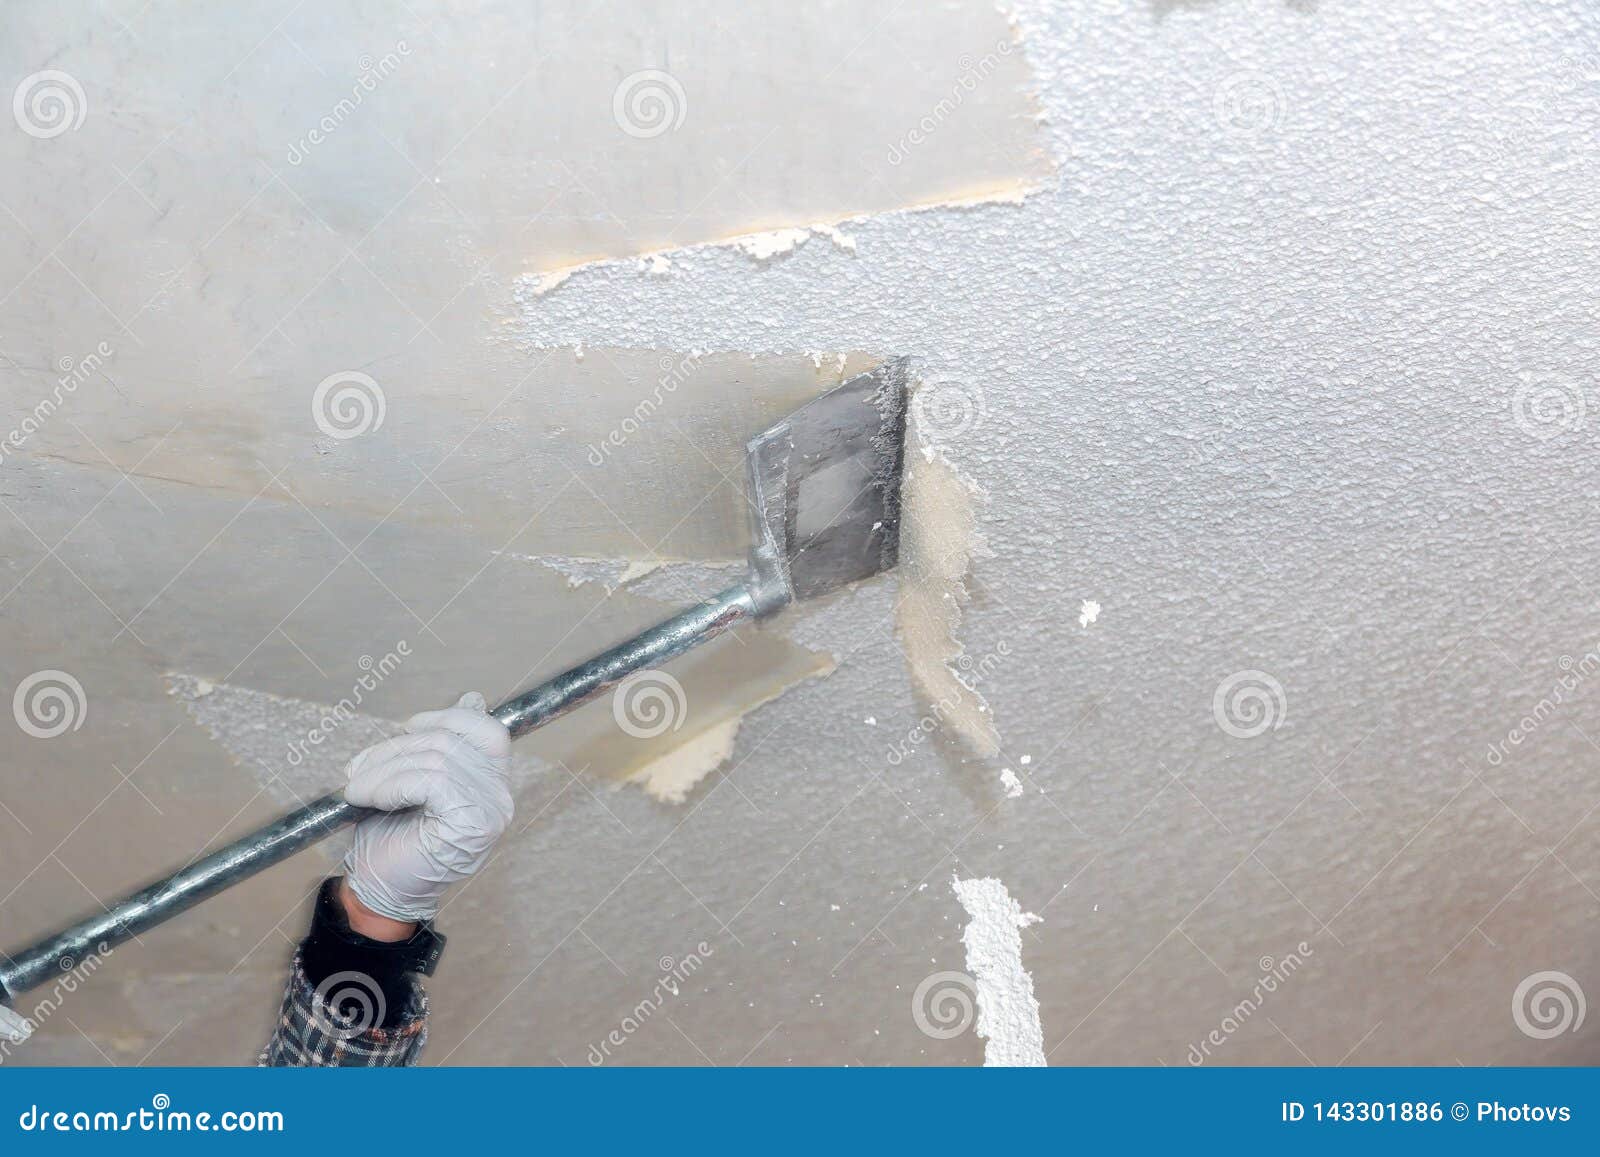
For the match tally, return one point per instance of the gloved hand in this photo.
(14, 1028)
(451, 768)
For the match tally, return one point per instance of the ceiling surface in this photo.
(1255, 432)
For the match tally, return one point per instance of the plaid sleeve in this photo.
(338, 1025)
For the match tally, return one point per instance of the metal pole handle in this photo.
(205, 877)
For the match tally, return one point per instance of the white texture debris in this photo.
(765, 246)
(841, 241)
(1008, 1013)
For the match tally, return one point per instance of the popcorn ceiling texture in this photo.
(259, 730)
(1271, 372)
(296, 750)
(1259, 374)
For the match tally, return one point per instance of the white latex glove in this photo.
(451, 769)
(14, 1028)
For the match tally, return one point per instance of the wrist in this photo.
(336, 954)
(373, 925)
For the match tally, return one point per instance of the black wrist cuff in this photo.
(377, 968)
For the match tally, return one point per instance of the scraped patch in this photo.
(296, 750)
(951, 114)
(1008, 1012)
(668, 767)
(1009, 781)
(673, 776)
(629, 453)
(1088, 613)
(707, 693)
(938, 541)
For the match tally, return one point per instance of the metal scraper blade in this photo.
(825, 485)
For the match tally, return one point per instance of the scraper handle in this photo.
(205, 877)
